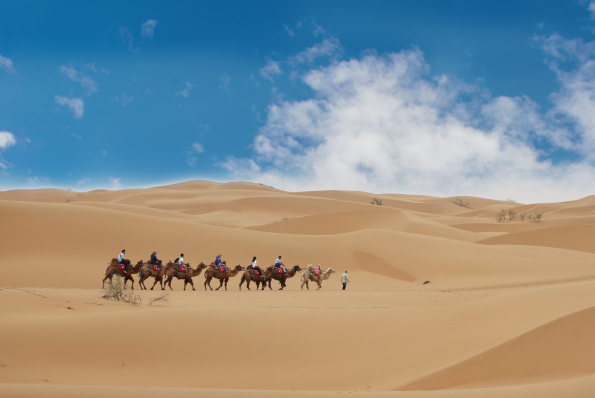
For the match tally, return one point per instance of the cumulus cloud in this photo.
(6, 139)
(197, 147)
(85, 81)
(382, 123)
(330, 47)
(148, 28)
(592, 9)
(36, 181)
(75, 105)
(270, 69)
(127, 38)
(7, 64)
(115, 183)
(185, 92)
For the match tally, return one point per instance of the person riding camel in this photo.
(155, 260)
(123, 260)
(255, 266)
(219, 262)
(181, 263)
(279, 264)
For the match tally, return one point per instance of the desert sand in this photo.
(509, 309)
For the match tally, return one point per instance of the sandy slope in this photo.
(508, 309)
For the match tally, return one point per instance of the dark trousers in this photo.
(344, 285)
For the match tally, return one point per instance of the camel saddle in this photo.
(317, 271)
(125, 267)
(255, 272)
(156, 267)
(181, 268)
(220, 268)
(280, 270)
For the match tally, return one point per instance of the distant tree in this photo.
(522, 215)
(500, 217)
(511, 214)
(538, 216)
(376, 201)
(459, 202)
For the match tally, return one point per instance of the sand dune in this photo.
(507, 308)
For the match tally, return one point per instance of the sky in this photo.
(492, 98)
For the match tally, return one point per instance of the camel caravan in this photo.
(164, 274)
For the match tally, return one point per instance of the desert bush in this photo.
(511, 214)
(459, 202)
(522, 215)
(116, 291)
(500, 217)
(511, 200)
(538, 216)
(160, 299)
(376, 201)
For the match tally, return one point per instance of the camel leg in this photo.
(242, 281)
(156, 280)
(226, 279)
(191, 283)
(132, 279)
(208, 281)
(220, 284)
(168, 282)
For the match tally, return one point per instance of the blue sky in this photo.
(488, 98)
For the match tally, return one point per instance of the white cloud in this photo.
(6, 139)
(115, 183)
(592, 9)
(83, 181)
(91, 66)
(123, 99)
(224, 82)
(148, 28)
(185, 92)
(191, 160)
(197, 147)
(127, 38)
(270, 69)
(86, 82)
(7, 64)
(35, 181)
(3, 166)
(75, 105)
(318, 30)
(289, 31)
(105, 72)
(381, 124)
(330, 47)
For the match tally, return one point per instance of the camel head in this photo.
(239, 268)
(296, 268)
(140, 263)
(331, 270)
(169, 264)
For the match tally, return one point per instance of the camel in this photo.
(282, 278)
(171, 273)
(147, 271)
(308, 275)
(114, 267)
(248, 277)
(210, 273)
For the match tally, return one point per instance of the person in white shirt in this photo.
(278, 263)
(181, 262)
(255, 266)
(121, 258)
(344, 279)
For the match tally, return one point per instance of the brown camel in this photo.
(210, 273)
(308, 275)
(282, 277)
(148, 271)
(171, 273)
(114, 268)
(248, 277)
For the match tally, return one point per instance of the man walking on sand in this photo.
(344, 279)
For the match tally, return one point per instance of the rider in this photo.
(121, 258)
(155, 260)
(255, 266)
(279, 264)
(218, 261)
(181, 262)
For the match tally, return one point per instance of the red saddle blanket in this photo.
(155, 267)
(122, 267)
(182, 268)
(317, 271)
(220, 268)
(255, 272)
(280, 270)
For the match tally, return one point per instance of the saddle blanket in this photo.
(280, 271)
(220, 268)
(181, 268)
(124, 267)
(317, 271)
(156, 267)
(255, 272)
